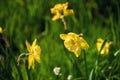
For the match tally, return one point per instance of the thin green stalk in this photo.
(113, 29)
(58, 77)
(96, 67)
(86, 68)
(64, 22)
(28, 72)
(97, 61)
(75, 66)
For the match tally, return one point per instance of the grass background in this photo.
(29, 19)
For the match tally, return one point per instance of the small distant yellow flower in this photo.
(1, 30)
(105, 49)
(74, 43)
(59, 10)
(34, 53)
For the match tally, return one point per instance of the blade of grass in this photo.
(91, 74)
(97, 61)
(86, 68)
(28, 72)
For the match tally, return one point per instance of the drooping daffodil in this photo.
(74, 43)
(59, 10)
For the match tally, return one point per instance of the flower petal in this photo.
(56, 16)
(84, 44)
(77, 51)
(28, 46)
(67, 12)
(30, 61)
(34, 43)
(63, 36)
(37, 53)
(65, 6)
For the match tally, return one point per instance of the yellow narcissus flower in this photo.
(105, 49)
(59, 10)
(1, 30)
(74, 43)
(34, 53)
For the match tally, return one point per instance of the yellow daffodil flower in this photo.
(74, 43)
(1, 30)
(59, 10)
(34, 53)
(105, 49)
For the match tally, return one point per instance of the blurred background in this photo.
(23, 20)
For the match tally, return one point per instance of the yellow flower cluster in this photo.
(34, 53)
(74, 43)
(59, 10)
(105, 49)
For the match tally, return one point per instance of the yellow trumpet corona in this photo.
(74, 43)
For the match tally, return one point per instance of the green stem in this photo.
(64, 22)
(76, 70)
(28, 72)
(86, 69)
(97, 61)
(113, 28)
(96, 67)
